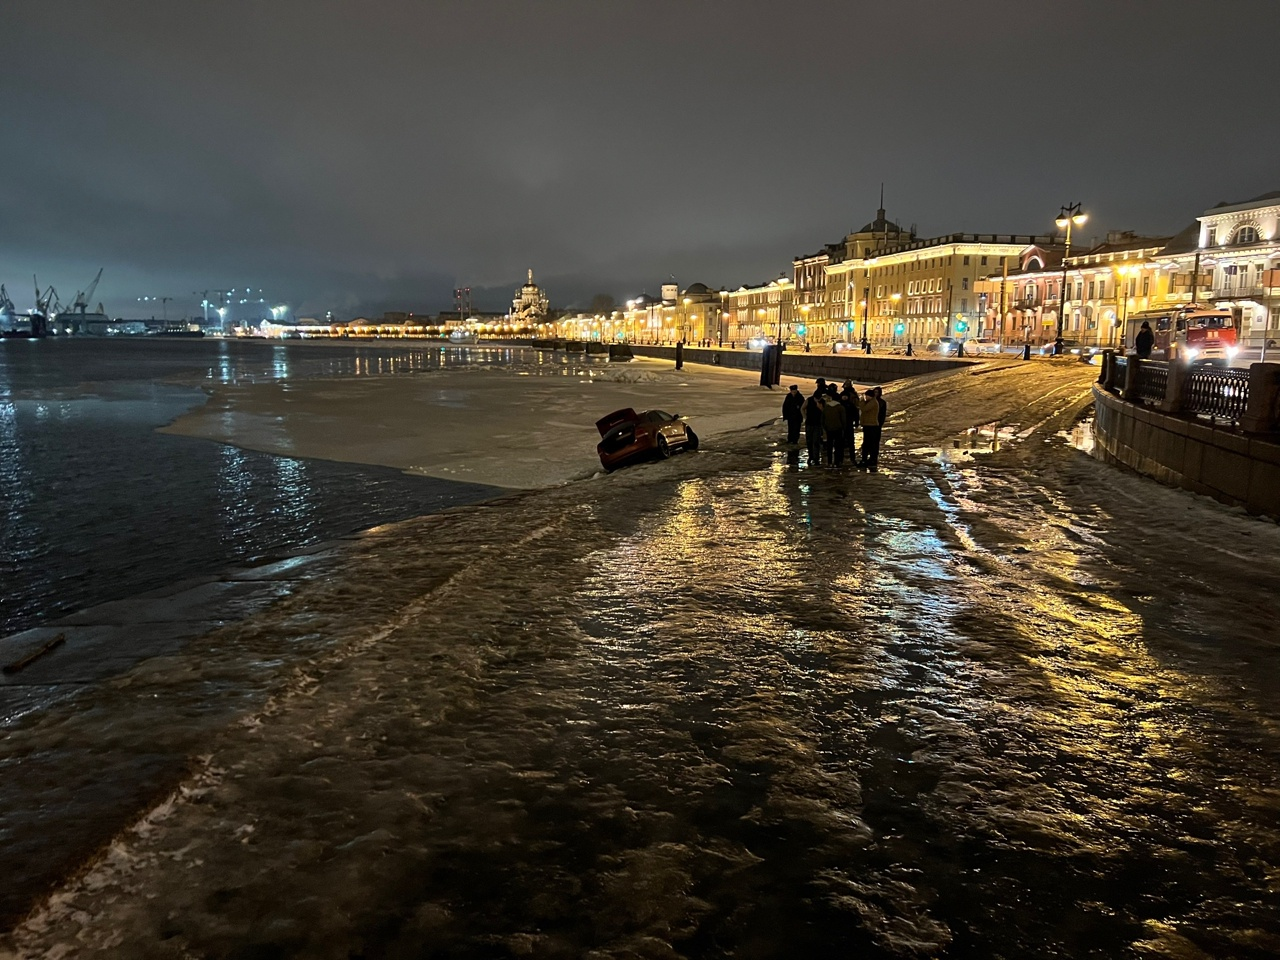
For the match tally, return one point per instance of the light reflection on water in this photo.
(98, 506)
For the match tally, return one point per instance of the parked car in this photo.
(1072, 348)
(982, 345)
(944, 346)
(628, 437)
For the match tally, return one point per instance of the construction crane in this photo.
(81, 303)
(47, 303)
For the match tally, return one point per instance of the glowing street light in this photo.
(1070, 215)
(1123, 273)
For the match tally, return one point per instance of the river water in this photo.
(96, 505)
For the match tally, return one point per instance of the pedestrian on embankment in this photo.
(849, 400)
(833, 424)
(813, 423)
(869, 412)
(1144, 341)
(793, 413)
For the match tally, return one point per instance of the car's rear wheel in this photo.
(692, 442)
(664, 448)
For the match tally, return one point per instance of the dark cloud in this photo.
(365, 156)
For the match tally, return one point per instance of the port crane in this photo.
(47, 303)
(81, 303)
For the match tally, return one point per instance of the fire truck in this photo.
(1192, 333)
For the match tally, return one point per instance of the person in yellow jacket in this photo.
(869, 415)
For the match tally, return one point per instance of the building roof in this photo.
(1273, 195)
(1185, 240)
(697, 288)
(881, 225)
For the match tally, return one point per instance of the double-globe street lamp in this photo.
(1068, 216)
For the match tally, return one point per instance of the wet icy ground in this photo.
(1014, 704)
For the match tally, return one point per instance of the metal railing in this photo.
(1153, 381)
(1217, 392)
(1119, 372)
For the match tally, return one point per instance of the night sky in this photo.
(357, 157)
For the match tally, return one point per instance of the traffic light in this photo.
(800, 330)
(899, 328)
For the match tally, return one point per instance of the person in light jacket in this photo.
(869, 415)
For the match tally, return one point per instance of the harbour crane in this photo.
(81, 303)
(47, 303)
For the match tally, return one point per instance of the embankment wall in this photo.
(1232, 467)
(858, 367)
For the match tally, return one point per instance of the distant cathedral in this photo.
(530, 304)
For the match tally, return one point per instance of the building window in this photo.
(982, 262)
(1092, 287)
(1102, 289)
(964, 304)
(1246, 235)
(1146, 286)
(966, 260)
(1211, 237)
(964, 283)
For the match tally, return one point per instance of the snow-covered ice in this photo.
(1013, 704)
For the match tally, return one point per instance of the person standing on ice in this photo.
(793, 413)
(849, 399)
(869, 414)
(813, 423)
(833, 423)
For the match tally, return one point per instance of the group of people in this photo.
(830, 418)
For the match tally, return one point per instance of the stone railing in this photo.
(1247, 399)
(1215, 431)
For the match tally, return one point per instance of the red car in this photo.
(627, 437)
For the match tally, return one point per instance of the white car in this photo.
(982, 345)
(946, 346)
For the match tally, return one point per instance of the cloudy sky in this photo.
(367, 156)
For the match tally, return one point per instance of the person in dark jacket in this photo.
(849, 398)
(813, 425)
(793, 413)
(833, 426)
(1144, 341)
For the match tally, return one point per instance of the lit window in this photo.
(1246, 235)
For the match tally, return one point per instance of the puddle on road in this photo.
(986, 438)
(1080, 436)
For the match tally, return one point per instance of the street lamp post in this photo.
(897, 301)
(1123, 273)
(1067, 217)
(865, 304)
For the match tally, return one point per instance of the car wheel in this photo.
(692, 442)
(664, 448)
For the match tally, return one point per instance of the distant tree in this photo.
(603, 303)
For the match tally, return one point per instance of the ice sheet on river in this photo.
(1017, 705)
(517, 425)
